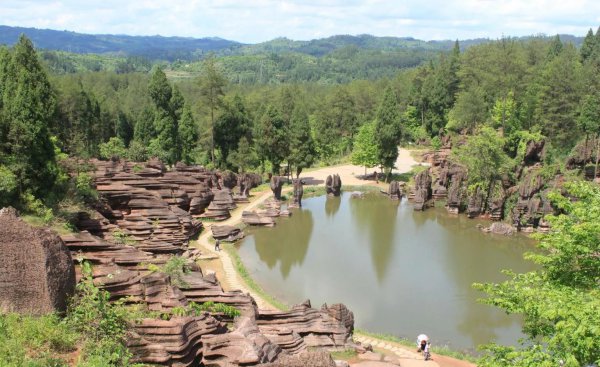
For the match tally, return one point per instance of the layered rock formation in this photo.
(329, 327)
(146, 216)
(297, 194)
(226, 233)
(527, 193)
(36, 269)
(333, 185)
(265, 216)
(219, 207)
(276, 186)
(422, 190)
(394, 191)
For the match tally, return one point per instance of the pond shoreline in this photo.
(236, 276)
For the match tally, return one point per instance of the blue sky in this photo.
(254, 21)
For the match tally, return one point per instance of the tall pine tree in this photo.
(27, 110)
(388, 129)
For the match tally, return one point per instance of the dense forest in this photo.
(493, 98)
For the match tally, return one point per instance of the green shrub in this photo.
(213, 307)
(34, 341)
(176, 268)
(102, 323)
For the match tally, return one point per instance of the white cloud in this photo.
(260, 20)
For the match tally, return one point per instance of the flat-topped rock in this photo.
(226, 233)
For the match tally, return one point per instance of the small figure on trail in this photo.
(422, 341)
(375, 176)
(217, 245)
(423, 346)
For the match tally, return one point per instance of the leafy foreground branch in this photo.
(560, 303)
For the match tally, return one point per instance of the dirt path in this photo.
(353, 175)
(350, 175)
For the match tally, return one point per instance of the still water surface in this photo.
(402, 272)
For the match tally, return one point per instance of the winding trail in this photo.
(349, 175)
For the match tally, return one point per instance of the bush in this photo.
(102, 323)
(34, 341)
(114, 148)
(84, 185)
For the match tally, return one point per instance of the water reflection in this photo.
(287, 246)
(378, 221)
(402, 272)
(332, 205)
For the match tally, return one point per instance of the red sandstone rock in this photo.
(36, 269)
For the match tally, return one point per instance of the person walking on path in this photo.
(217, 245)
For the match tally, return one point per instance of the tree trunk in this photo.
(585, 157)
(597, 156)
(212, 135)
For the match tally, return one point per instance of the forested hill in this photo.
(151, 47)
(187, 48)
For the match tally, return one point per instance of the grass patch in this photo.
(243, 272)
(443, 350)
(35, 341)
(344, 355)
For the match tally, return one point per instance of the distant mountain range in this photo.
(152, 47)
(186, 48)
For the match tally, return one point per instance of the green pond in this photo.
(401, 272)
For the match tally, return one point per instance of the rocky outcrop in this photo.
(456, 177)
(305, 359)
(243, 346)
(276, 186)
(226, 233)
(500, 228)
(394, 191)
(254, 218)
(36, 269)
(203, 288)
(247, 181)
(227, 180)
(475, 203)
(297, 194)
(333, 185)
(220, 206)
(178, 341)
(265, 216)
(422, 190)
(317, 328)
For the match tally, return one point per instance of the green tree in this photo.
(164, 146)
(365, 151)
(188, 135)
(26, 114)
(506, 115)
(559, 98)
(160, 90)
(560, 302)
(271, 138)
(484, 159)
(468, 112)
(212, 83)
(556, 47)
(243, 157)
(388, 130)
(167, 110)
(231, 126)
(302, 147)
(589, 46)
(114, 148)
(144, 128)
(589, 121)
